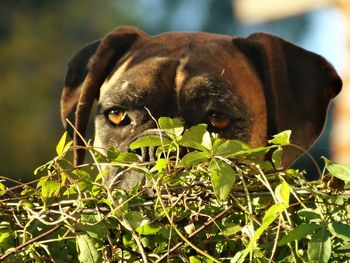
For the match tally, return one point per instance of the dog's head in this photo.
(245, 88)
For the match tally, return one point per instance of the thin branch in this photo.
(206, 224)
(35, 239)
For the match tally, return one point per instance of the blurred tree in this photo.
(37, 38)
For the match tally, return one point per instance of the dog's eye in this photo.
(117, 117)
(219, 121)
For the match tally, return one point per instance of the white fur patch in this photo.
(114, 77)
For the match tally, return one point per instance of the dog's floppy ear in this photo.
(76, 73)
(298, 88)
(86, 73)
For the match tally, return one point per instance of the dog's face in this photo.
(170, 76)
(243, 88)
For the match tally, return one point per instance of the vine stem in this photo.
(35, 239)
(206, 224)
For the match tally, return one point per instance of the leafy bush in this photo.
(217, 201)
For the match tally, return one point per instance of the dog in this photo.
(242, 88)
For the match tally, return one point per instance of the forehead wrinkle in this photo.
(127, 96)
(208, 93)
(206, 86)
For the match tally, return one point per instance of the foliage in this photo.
(204, 199)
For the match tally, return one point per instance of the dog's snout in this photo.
(148, 154)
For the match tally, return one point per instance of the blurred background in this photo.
(37, 38)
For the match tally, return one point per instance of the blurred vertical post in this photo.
(340, 137)
(255, 11)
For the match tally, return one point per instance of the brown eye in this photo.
(116, 117)
(219, 121)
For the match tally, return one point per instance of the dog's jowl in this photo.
(243, 88)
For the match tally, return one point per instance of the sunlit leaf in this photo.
(309, 214)
(340, 230)
(172, 127)
(194, 134)
(160, 165)
(282, 138)
(136, 219)
(7, 238)
(61, 144)
(271, 214)
(93, 225)
(50, 188)
(254, 153)
(227, 148)
(277, 157)
(222, 178)
(148, 229)
(206, 142)
(193, 158)
(320, 246)
(87, 250)
(231, 229)
(195, 259)
(2, 189)
(299, 232)
(148, 141)
(341, 171)
(282, 193)
(127, 157)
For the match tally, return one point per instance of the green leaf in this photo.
(42, 167)
(93, 226)
(282, 193)
(172, 127)
(320, 246)
(231, 229)
(61, 144)
(197, 137)
(226, 148)
(193, 158)
(148, 229)
(255, 153)
(87, 250)
(194, 145)
(136, 219)
(341, 171)
(127, 157)
(112, 153)
(160, 165)
(277, 157)
(195, 259)
(50, 189)
(222, 178)
(194, 134)
(148, 141)
(7, 239)
(299, 232)
(310, 215)
(271, 214)
(2, 189)
(340, 230)
(282, 138)
(206, 142)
